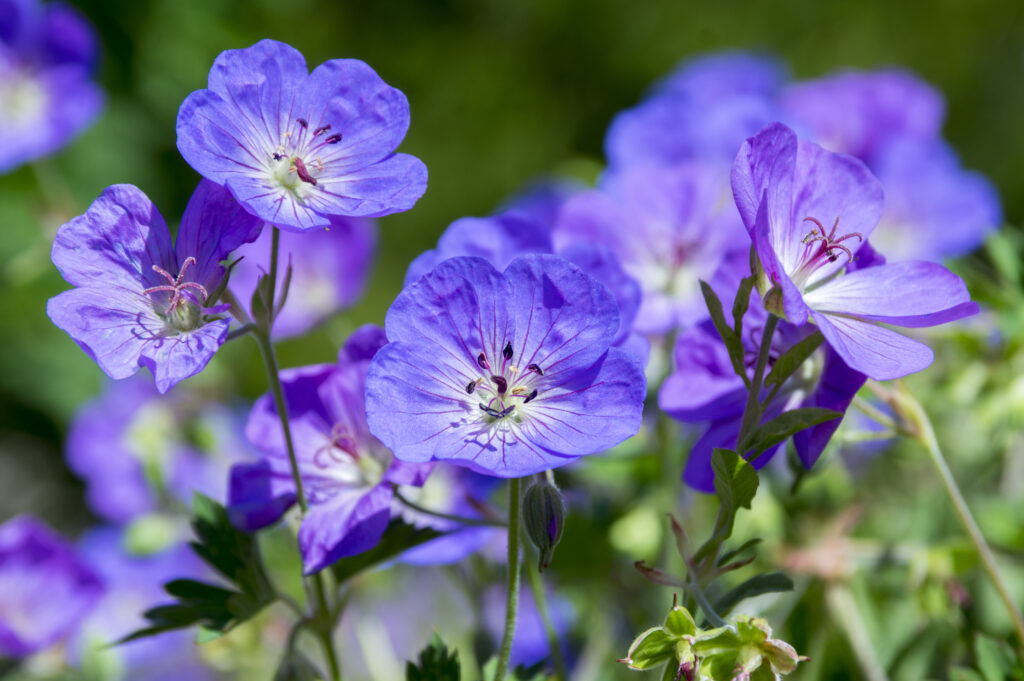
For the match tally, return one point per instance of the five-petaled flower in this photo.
(506, 373)
(808, 212)
(297, 147)
(139, 301)
(347, 474)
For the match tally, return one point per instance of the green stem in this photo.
(923, 432)
(752, 412)
(512, 595)
(844, 611)
(480, 522)
(541, 601)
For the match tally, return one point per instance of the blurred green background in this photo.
(500, 92)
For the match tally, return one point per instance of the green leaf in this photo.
(786, 425)
(964, 674)
(995, 659)
(652, 648)
(769, 582)
(740, 305)
(732, 341)
(295, 666)
(741, 553)
(735, 480)
(534, 672)
(398, 537)
(436, 663)
(680, 622)
(791, 360)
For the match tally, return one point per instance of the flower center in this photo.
(341, 458)
(184, 308)
(504, 386)
(821, 248)
(296, 163)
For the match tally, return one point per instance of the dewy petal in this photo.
(172, 359)
(911, 294)
(391, 185)
(836, 388)
(563, 318)
(371, 116)
(115, 242)
(112, 326)
(213, 225)
(874, 350)
(350, 523)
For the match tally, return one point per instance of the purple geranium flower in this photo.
(506, 373)
(329, 271)
(47, 96)
(135, 583)
(139, 301)
(670, 227)
(296, 147)
(704, 388)
(719, 76)
(347, 474)
(808, 212)
(45, 589)
(151, 448)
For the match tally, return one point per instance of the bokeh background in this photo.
(500, 92)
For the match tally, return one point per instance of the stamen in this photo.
(501, 383)
(277, 156)
(481, 359)
(303, 122)
(519, 390)
(495, 413)
(321, 130)
(333, 139)
(530, 396)
(470, 387)
(507, 352)
(536, 369)
(302, 172)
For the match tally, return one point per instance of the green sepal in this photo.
(728, 335)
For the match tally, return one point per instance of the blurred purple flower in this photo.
(669, 226)
(808, 212)
(45, 589)
(507, 373)
(330, 268)
(346, 473)
(139, 301)
(530, 644)
(135, 584)
(47, 95)
(135, 448)
(297, 148)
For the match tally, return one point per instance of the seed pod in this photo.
(544, 519)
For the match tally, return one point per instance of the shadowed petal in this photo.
(258, 496)
(388, 186)
(174, 358)
(880, 353)
(350, 523)
(836, 388)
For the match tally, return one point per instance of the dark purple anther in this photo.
(482, 361)
(536, 369)
(333, 139)
(470, 387)
(321, 130)
(303, 122)
(302, 172)
(507, 352)
(277, 156)
(501, 384)
(506, 411)
(530, 396)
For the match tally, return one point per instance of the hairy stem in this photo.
(512, 595)
(540, 599)
(922, 431)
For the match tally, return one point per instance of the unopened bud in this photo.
(544, 518)
(260, 304)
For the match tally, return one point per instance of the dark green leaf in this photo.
(784, 426)
(747, 549)
(436, 663)
(732, 341)
(769, 582)
(740, 305)
(791, 360)
(534, 672)
(735, 480)
(398, 537)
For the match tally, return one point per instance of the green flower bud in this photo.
(544, 518)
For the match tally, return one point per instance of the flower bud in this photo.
(544, 518)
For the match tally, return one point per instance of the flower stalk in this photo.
(541, 600)
(512, 594)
